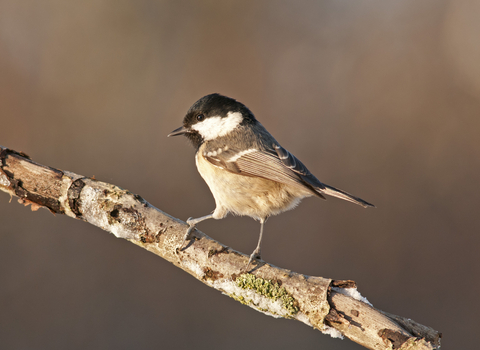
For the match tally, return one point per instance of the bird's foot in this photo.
(187, 233)
(254, 256)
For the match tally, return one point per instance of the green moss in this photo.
(239, 299)
(269, 289)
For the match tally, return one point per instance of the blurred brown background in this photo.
(381, 99)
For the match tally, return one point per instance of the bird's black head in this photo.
(213, 116)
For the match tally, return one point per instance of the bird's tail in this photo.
(335, 192)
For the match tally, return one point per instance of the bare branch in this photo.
(333, 307)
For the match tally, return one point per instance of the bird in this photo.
(248, 172)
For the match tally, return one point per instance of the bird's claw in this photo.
(254, 256)
(187, 234)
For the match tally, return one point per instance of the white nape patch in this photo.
(214, 127)
(352, 293)
(241, 154)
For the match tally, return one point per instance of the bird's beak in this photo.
(180, 131)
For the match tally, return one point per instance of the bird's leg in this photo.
(256, 253)
(192, 222)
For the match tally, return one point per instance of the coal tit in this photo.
(246, 169)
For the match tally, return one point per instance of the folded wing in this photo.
(277, 164)
(274, 164)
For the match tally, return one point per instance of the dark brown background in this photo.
(381, 99)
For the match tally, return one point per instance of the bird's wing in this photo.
(276, 164)
(291, 162)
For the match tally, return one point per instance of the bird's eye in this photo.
(200, 117)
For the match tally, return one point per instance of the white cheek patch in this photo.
(214, 127)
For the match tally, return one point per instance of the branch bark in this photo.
(331, 306)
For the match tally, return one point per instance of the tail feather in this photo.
(335, 192)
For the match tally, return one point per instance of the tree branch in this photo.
(333, 307)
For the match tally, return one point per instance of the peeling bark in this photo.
(333, 307)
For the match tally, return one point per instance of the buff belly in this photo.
(245, 195)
